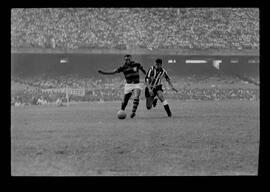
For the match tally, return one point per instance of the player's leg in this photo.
(149, 99)
(136, 101)
(155, 102)
(149, 102)
(125, 100)
(127, 95)
(164, 102)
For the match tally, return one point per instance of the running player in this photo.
(154, 87)
(132, 85)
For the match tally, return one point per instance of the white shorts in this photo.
(129, 87)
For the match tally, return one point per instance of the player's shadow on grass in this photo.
(160, 117)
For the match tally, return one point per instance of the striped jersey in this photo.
(154, 75)
(131, 72)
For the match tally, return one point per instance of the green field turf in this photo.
(86, 139)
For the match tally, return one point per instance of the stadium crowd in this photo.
(124, 28)
(71, 81)
(31, 91)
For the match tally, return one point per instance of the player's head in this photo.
(127, 58)
(158, 63)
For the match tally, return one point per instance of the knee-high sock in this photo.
(167, 108)
(125, 101)
(135, 104)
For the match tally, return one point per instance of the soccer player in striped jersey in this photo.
(154, 86)
(132, 85)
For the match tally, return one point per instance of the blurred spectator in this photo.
(42, 101)
(59, 102)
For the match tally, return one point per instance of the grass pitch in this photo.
(87, 139)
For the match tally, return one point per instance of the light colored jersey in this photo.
(154, 76)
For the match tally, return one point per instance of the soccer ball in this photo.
(121, 114)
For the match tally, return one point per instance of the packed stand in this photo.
(124, 28)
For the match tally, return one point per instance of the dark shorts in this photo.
(157, 88)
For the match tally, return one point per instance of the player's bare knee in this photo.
(137, 94)
(162, 100)
(160, 96)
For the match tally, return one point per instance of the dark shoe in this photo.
(132, 115)
(169, 114)
(155, 102)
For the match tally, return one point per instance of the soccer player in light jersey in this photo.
(132, 85)
(154, 86)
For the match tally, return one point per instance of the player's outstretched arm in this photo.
(142, 69)
(107, 72)
(170, 83)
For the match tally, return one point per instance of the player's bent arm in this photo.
(108, 72)
(149, 87)
(147, 79)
